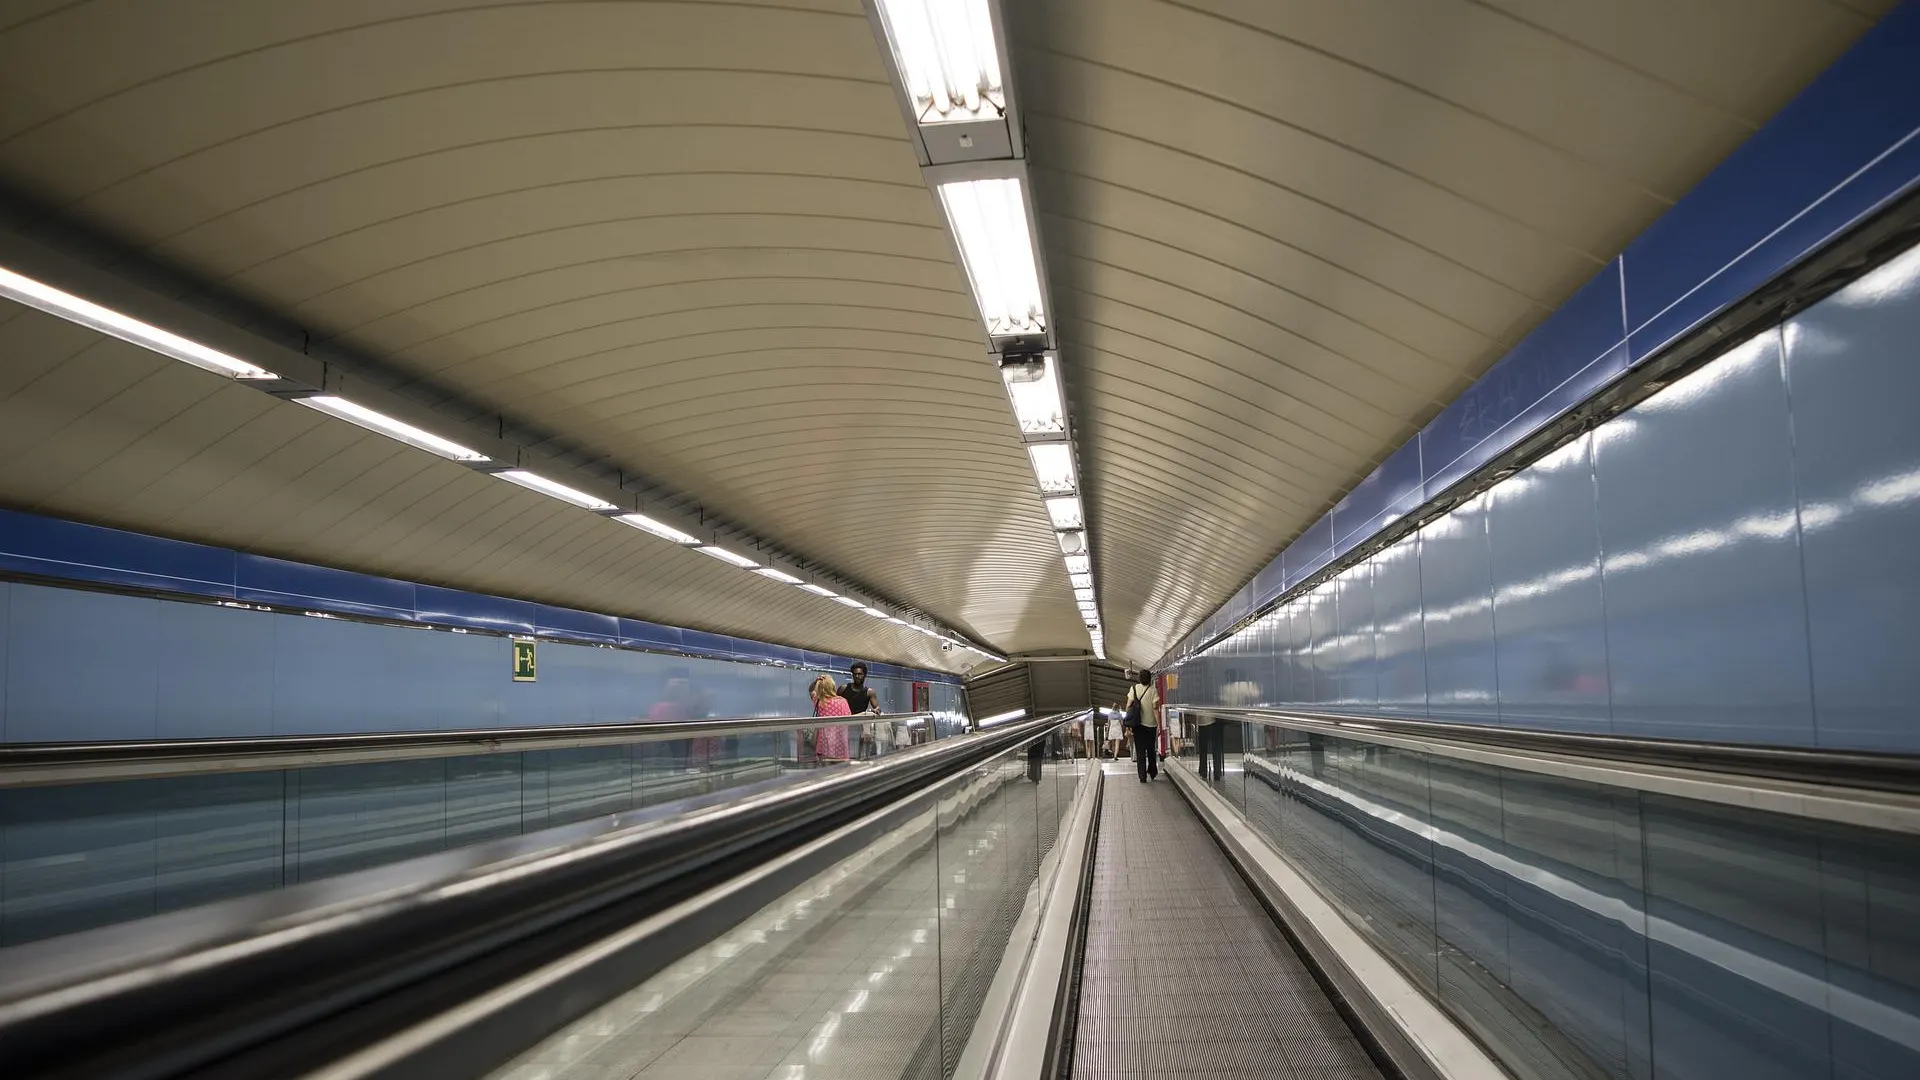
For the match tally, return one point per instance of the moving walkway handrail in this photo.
(1862, 769)
(43, 764)
(344, 973)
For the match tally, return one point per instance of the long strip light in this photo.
(731, 558)
(780, 576)
(989, 219)
(658, 528)
(535, 482)
(38, 294)
(948, 58)
(386, 425)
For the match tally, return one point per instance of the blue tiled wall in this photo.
(77, 665)
(1848, 145)
(1735, 559)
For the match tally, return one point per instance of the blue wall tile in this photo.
(81, 666)
(215, 672)
(1706, 616)
(1548, 613)
(1456, 598)
(1854, 386)
(1400, 639)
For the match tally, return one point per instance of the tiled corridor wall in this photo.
(1735, 559)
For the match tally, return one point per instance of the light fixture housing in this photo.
(1083, 595)
(780, 576)
(819, 591)
(1053, 467)
(1080, 581)
(875, 612)
(535, 482)
(988, 216)
(849, 601)
(948, 56)
(1079, 564)
(382, 424)
(62, 304)
(657, 528)
(1072, 541)
(731, 558)
(1033, 386)
(1066, 513)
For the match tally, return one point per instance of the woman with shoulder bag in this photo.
(1143, 720)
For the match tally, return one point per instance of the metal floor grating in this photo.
(1185, 974)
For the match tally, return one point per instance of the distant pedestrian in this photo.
(830, 742)
(1142, 711)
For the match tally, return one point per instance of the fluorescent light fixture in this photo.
(386, 425)
(536, 482)
(780, 576)
(658, 528)
(1034, 388)
(1083, 595)
(875, 612)
(36, 294)
(947, 57)
(1073, 542)
(989, 219)
(818, 591)
(1080, 581)
(731, 557)
(1065, 512)
(1053, 467)
(1000, 718)
(1079, 564)
(849, 601)
(898, 621)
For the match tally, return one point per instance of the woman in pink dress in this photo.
(829, 743)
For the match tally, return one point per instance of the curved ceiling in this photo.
(693, 239)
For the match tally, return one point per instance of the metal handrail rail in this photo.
(1863, 769)
(374, 961)
(44, 764)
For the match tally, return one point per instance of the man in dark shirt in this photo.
(860, 699)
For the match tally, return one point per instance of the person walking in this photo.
(830, 742)
(1142, 709)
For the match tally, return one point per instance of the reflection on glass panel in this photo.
(1586, 931)
(837, 978)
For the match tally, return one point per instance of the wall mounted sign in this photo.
(523, 660)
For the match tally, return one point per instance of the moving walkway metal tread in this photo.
(1185, 973)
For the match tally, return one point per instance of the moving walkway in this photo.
(1349, 897)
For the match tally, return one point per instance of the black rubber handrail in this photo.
(1863, 769)
(387, 959)
(25, 764)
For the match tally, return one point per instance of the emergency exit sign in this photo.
(523, 662)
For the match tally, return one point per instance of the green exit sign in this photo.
(523, 662)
